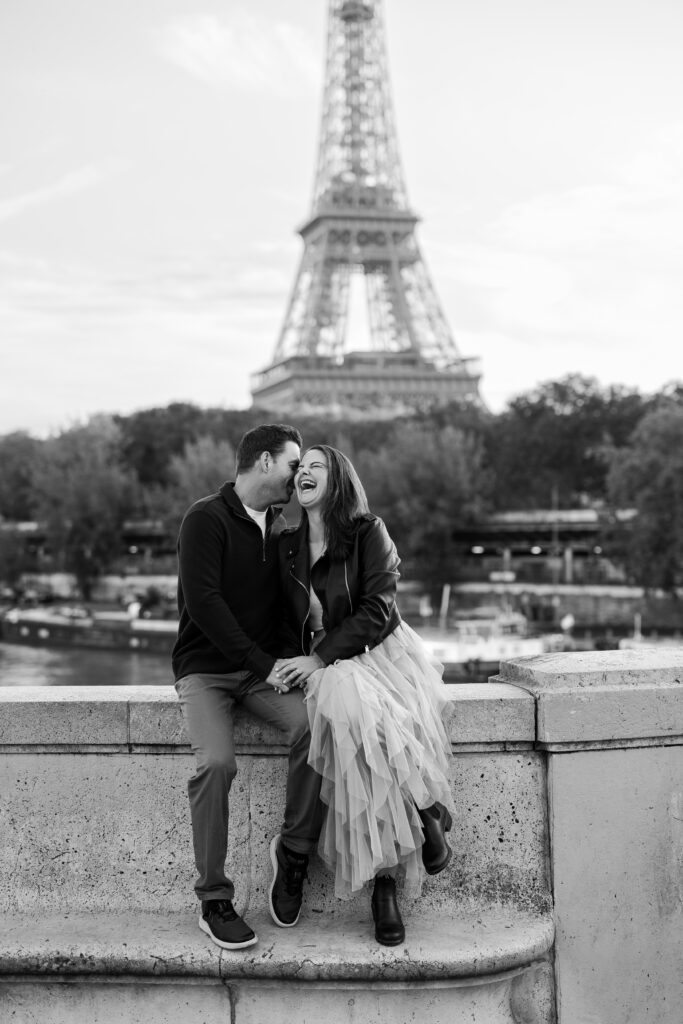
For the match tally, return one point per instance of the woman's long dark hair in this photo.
(345, 501)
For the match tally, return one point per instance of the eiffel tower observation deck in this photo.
(364, 329)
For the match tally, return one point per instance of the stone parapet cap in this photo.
(649, 666)
(148, 717)
(592, 699)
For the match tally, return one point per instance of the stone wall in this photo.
(611, 728)
(568, 782)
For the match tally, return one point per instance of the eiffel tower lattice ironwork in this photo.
(362, 230)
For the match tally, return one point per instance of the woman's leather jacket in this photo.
(358, 595)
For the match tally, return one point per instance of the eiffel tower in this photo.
(361, 260)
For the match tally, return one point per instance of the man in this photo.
(225, 653)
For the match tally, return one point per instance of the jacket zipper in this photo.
(348, 592)
(308, 613)
(264, 535)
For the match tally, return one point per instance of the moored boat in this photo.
(75, 626)
(471, 647)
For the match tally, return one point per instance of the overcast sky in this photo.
(156, 157)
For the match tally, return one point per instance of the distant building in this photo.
(539, 546)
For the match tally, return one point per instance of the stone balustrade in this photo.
(563, 901)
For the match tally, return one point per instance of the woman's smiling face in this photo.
(311, 479)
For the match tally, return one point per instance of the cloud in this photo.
(243, 49)
(594, 262)
(70, 184)
(77, 341)
(585, 279)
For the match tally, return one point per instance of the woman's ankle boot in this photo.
(436, 853)
(389, 930)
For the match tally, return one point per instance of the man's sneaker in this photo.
(286, 890)
(224, 926)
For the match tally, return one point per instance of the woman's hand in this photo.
(295, 671)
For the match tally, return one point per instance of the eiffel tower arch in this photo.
(361, 256)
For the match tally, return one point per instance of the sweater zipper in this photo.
(308, 613)
(264, 534)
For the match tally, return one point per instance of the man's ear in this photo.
(265, 461)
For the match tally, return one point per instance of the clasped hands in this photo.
(288, 673)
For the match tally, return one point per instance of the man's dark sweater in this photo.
(228, 588)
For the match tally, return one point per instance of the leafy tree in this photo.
(18, 452)
(201, 469)
(15, 559)
(150, 438)
(83, 494)
(557, 439)
(648, 476)
(424, 484)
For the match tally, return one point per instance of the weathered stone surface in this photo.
(160, 969)
(95, 831)
(660, 666)
(499, 835)
(491, 713)
(617, 841)
(475, 940)
(147, 716)
(610, 715)
(65, 715)
(607, 697)
(129, 1000)
(86, 833)
(154, 717)
(439, 1002)
(110, 831)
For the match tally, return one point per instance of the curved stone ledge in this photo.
(469, 941)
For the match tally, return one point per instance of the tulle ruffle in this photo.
(379, 743)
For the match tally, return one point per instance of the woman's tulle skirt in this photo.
(379, 743)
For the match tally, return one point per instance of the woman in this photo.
(374, 700)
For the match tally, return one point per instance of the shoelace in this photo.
(225, 910)
(295, 875)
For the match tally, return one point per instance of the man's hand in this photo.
(275, 679)
(295, 671)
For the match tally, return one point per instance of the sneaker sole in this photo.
(273, 860)
(220, 942)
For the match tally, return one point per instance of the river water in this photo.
(60, 666)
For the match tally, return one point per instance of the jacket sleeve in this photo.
(200, 556)
(378, 569)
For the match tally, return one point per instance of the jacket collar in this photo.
(295, 539)
(231, 499)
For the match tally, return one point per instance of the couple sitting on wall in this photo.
(300, 626)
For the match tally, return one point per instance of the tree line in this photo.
(569, 442)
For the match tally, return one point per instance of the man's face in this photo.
(282, 470)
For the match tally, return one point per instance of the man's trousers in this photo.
(208, 701)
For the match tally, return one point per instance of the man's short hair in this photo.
(268, 437)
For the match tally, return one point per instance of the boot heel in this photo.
(436, 853)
